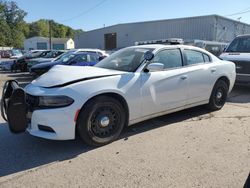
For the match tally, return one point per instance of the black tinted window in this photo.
(240, 45)
(194, 57)
(170, 58)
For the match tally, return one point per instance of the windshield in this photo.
(60, 57)
(67, 58)
(241, 44)
(128, 59)
(16, 52)
(33, 54)
(49, 55)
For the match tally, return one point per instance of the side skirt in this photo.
(131, 122)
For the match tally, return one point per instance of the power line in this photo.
(85, 12)
(240, 12)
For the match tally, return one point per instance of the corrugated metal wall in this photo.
(226, 30)
(204, 28)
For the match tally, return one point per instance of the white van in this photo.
(239, 52)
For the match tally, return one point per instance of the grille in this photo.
(242, 67)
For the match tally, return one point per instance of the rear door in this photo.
(201, 75)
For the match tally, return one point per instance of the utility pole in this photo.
(50, 34)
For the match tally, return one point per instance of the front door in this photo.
(167, 89)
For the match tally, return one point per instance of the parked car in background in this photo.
(15, 54)
(21, 63)
(101, 53)
(5, 54)
(6, 65)
(70, 59)
(239, 52)
(132, 85)
(50, 56)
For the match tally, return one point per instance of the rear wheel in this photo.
(219, 95)
(101, 121)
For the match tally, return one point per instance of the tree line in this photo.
(14, 30)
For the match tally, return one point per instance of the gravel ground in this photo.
(191, 148)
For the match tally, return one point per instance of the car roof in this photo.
(158, 47)
(77, 53)
(246, 35)
(161, 46)
(90, 49)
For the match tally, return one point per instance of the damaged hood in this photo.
(61, 75)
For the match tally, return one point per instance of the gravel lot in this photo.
(191, 148)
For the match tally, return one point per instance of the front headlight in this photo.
(54, 101)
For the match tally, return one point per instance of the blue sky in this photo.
(92, 14)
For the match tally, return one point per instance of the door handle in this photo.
(213, 70)
(184, 77)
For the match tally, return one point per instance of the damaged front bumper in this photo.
(21, 110)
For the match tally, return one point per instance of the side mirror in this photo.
(148, 55)
(155, 67)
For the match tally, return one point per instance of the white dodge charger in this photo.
(130, 86)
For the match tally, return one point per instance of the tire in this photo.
(101, 121)
(219, 95)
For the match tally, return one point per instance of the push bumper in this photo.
(54, 124)
(14, 107)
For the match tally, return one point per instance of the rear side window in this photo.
(94, 58)
(206, 58)
(170, 58)
(194, 57)
(81, 58)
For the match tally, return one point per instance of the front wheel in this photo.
(101, 121)
(219, 95)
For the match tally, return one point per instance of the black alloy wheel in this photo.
(101, 121)
(219, 95)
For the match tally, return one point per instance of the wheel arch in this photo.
(225, 79)
(117, 96)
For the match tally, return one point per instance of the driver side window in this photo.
(82, 58)
(170, 58)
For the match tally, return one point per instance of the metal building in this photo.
(43, 43)
(209, 28)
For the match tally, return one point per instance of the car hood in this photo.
(61, 75)
(235, 56)
(42, 59)
(46, 64)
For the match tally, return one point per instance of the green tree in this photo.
(5, 31)
(13, 14)
(14, 30)
(39, 28)
(11, 24)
